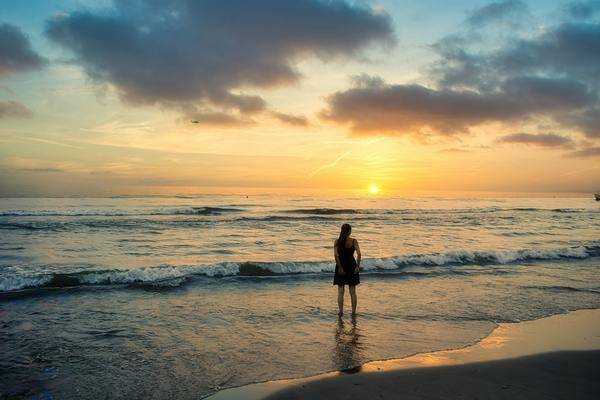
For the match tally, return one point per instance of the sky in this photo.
(207, 96)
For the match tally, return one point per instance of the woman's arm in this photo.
(358, 256)
(340, 270)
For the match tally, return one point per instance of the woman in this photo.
(346, 267)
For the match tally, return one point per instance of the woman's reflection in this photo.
(347, 355)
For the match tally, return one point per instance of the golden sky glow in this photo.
(325, 128)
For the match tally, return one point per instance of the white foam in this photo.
(15, 278)
(16, 282)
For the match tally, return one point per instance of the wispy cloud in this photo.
(14, 109)
(52, 142)
(586, 152)
(118, 126)
(328, 165)
(48, 169)
(455, 150)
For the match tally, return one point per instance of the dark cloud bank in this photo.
(554, 75)
(200, 56)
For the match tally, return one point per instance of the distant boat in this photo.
(597, 196)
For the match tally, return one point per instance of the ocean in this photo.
(162, 297)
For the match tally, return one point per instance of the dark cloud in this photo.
(13, 109)
(553, 75)
(545, 95)
(587, 152)
(540, 139)
(499, 11)
(458, 67)
(297, 120)
(571, 49)
(564, 59)
(374, 107)
(582, 9)
(409, 109)
(16, 53)
(567, 50)
(203, 53)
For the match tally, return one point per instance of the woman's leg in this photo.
(353, 298)
(341, 298)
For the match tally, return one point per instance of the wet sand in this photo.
(551, 358)
(562, 375)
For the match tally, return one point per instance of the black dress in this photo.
(346, 257)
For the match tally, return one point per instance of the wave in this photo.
(214, 210)
(564, 289)
(154, 224)
(19, 278)
(474, 210)
(328, 211)
(207, 210)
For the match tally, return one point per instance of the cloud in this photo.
(566, 50)
(296, 120)
(200, 54)
(588, 122)
(16, 54)
(551, 75)
(565, 55)
(374, 107)
(540, 139)
(328, 165)
(571, 49)
(587, 152)
(498, 11)
(13, 109)
(405, 109)
(42, 170)
(582, 9)
(454, 150)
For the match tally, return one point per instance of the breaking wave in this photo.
(19, 278)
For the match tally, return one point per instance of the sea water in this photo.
(164, 297)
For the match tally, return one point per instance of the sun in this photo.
(373, 189)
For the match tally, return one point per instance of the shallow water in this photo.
(159, 297)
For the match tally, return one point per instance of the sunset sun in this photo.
(373, 189)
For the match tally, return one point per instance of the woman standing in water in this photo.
(346, 267)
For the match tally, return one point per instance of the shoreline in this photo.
(510, 349)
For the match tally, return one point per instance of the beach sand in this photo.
(561, 375)
(551, 358)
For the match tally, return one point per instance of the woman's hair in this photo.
(344, 233)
